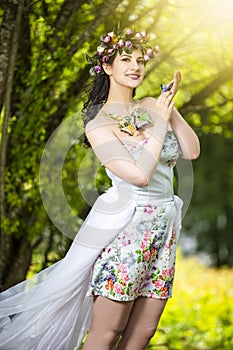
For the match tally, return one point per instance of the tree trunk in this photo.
(20, 259)
(12, 29)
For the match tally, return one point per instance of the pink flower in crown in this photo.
(128, 31)
(143, 33)
(149, 52)
(110, 51)
(138, 36)
(107, 39)
(121, 43)
(115, 46)
(128, 44)
(105, 59)
(97, 69)
(146, 57)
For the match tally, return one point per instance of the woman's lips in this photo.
(133, 76)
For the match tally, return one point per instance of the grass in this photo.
(200, 314)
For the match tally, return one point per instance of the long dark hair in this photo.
(97, 97)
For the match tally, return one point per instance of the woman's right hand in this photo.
(164, 105)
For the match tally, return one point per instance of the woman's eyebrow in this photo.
(127, 55)
(130, 56)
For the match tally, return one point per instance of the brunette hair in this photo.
(97, 97)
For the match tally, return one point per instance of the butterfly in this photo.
(165, 88)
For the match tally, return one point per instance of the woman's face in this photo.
(127, 69)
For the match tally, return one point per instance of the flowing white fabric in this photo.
(51, 311)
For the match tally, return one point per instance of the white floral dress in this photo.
(126, 247)
(140, 261)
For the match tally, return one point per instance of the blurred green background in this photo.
(44, 81)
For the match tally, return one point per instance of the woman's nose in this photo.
(134, 64)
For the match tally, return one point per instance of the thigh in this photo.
(110, 314)
(142, 323)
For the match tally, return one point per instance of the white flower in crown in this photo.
(126, 40)
(100, 50)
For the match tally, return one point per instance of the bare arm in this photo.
(187, 138)
(111, 152)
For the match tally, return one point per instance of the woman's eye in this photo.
(125, 59)
(141, 62)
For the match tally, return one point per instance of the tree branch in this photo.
(103, 11)
(197, 100)
(68, 8)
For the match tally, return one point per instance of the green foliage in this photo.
(200, 314)
(51, 79)
(210, 212)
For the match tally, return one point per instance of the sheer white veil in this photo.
(51, 310)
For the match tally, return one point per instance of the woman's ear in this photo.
(107, 68)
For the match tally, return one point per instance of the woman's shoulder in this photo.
(101, 120)
(148, 102)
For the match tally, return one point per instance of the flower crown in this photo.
(124, 41)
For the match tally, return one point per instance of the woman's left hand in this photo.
(173, 86)
(176, 82)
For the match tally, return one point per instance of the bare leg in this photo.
(142, 324)
(108, 322)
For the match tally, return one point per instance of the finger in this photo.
(178, 76)
(169, 101)
(171, 106)
(177, 80)
(163, 97)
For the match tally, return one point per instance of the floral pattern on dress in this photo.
(171, 150)
(140, 261)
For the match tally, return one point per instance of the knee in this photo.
(149, 332)
(137, 340)
(112, 335)
(98, 339)
(146, 335)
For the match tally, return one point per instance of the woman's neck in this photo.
(121, 94)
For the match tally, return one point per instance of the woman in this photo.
(136, 295)
(123, 257)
